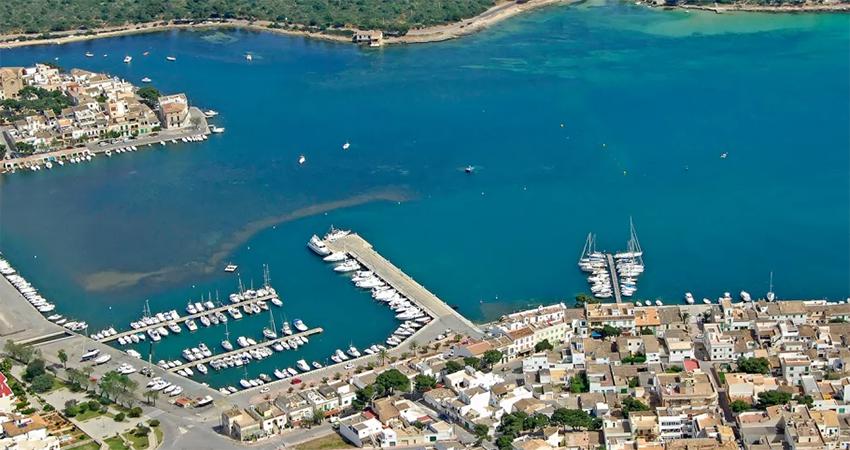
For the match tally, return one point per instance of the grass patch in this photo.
(325, 443)
(158, 433)
(88, 414)
(89, 446)
(137, 442)
(115, 443)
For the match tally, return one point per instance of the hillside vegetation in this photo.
(42, 16)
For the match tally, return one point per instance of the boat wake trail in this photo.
(109, 280)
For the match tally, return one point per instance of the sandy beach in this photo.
(501, 11)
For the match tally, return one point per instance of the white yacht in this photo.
(347, 266)
(217, 130)
(242, 342)
(269, 334)
(352, 350)
(689, 298)
(227, 345)
(706, 301)
(303, 365)
(745, 296)
(302, 159)
(276, 301)
(210, 113)
(102, 359)
(346, 146)
(170, 58)
(127, 59)
(89, 54)
(146, 80)
(335, 257)
(190, 324)
(318, 246)
(231, 268)
(299, 325)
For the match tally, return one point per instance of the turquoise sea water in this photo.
(648, 101)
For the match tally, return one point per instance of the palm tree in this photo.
(413, 346)
(382, 355)
(63, 357)
(685, 316)
(87, 371)
(151, 396)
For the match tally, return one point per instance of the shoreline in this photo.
(501, 11)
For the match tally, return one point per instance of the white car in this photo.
(349, 366)
(264, 390)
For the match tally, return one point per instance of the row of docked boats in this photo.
(159, 385)
(31, 294)
(48, 162)
(628, 266)
(128, 149)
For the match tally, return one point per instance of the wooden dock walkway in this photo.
(239, 350)
(182, 319)
(615, 281)
(361, 250)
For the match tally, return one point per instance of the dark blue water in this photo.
(648, 101)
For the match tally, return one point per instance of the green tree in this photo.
(392, 380)
(382, 355)
(770, 398)
(609, 331)
(364, 397)
(585, 299)
(543, 345)
(481, 431)
(632, 404)
(637, 358)
(805, 399)
(576, 419)
(453, 366)
(739, 406)
(22, 353)
(149, 95)
(472, 361)
(42, 383)
(424, 383)
(63, 357)
(491, 358)
(754, 365)
(34, 369)
(644, 331)
(578, 383)
(674, 369)
(151, 397)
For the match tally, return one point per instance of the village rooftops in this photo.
(25, 425)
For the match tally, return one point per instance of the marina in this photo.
(612, 274)
(238, 351)
(160, 320)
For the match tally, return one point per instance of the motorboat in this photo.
(127, 59)
(303, 365)
(302, 159)
(89, 354)
(339, 354)
(347, 266)
(352, 350)
(292, 371)
(190, 324)
(245, 383)
(227, 345)
(689, 298)
(269, 334)
(102, 359)
(286, 329)
(89, 54)
(276, 301)
(279, 375)
(205, 321)
(231, 268)
(745, 296)
(335, 257)
(299, 325)
(706, 301)
(202, 368)
(316, 365)
(318, 247)
(146, 80)
(170, 58)
(242, 341)
(658, 303)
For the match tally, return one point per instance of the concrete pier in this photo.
(183, 319)
(362, 251)
(615, 281)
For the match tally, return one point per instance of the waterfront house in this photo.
(11, 82)
(373, 38)
(27, 433)
(173, 111)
